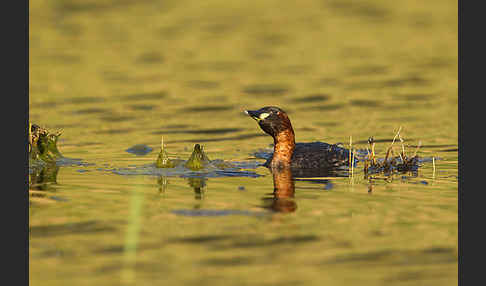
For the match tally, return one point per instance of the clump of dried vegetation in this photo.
(392, 163)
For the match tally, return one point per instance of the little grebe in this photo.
(286, 153)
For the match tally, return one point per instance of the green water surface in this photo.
(113, 74)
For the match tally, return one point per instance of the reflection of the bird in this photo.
(282, 199)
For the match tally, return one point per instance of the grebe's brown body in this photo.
(286, 153)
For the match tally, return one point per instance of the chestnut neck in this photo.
(284, 145)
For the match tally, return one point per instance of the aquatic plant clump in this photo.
(198, 165)
(43, 145)
(163, 160)
(390, 164)
(198, 159)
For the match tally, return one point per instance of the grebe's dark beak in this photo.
(254, 114)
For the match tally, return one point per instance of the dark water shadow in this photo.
(87, 227)
(329, 82)
(221, 28)
(273, 39)
(116, 118)
(117, 76)
(94, 7)
(92, 110)
(145, 96)
(210, 108)
(89, 143)
(224, 66)
(150, 58)
(200, 131)
(117, 249)
(224, 242)
(364, 10)
(368, 70)
(114, 131)
(365, 103)
(79, 7)
(83, 100)
(436, 63)
(330, 124)
(413, 80)
(175, 126)
(239, 137)
(45, 104)
(435, 255)
(142, 107)
(312, 98)
(266, 89)
(202, 239)
(63, 59)
(229, 262)
(202, 84)
(363, 85)
(283, 240)
(217, 66)
(296, 69)
(214, 213)
(326, 107)
(416, 96)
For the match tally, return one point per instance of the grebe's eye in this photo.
(264, 115)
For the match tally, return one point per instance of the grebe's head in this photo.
(271, 119)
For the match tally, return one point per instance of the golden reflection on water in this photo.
(283, 191)
(114, 74)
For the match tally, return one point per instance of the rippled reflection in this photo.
(283, 192)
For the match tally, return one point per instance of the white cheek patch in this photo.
(264, 115)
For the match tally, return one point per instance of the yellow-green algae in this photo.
(163, 160)
(198, 159)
